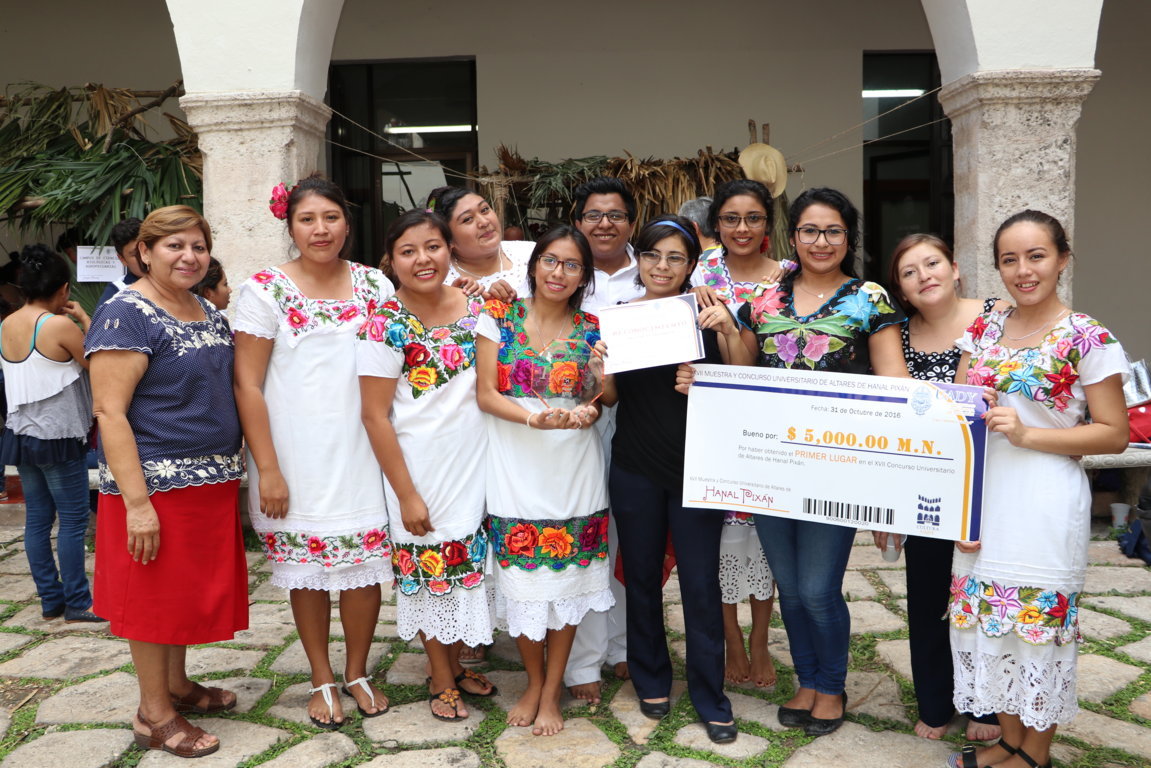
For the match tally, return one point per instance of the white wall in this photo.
(658, 80)
(1112, 237)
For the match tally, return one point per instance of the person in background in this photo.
(214, 287)
(604, 211)
(87, 295)
(741, 213)
(124, 236)
(49, 416)
(925, 280)
(9, 279)
(695, 211)
(479, 251)
(1015, 592)
(171, 570)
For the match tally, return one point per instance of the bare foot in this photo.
(524, 711)
(549, 721)
(762, 667)
(470, 655)
(620, 670)
(737, 669)
(977, 731)
(925, 731)
(318, 708)
(205, 741)
(589, 692)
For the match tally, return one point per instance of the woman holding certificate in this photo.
(824, 318)
(646, 488)
(546, 500)
(1015, 593)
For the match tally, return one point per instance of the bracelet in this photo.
(528, 420)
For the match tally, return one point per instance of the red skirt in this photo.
(196, 590)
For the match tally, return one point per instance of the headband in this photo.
(668, 223)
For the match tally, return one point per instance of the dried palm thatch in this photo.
(659, 186)
(82, 156)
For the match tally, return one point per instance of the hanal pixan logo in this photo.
(921, 401)
(927, 516)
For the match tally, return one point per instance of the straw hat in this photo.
(764, 163)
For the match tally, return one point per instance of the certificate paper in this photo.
(873, 452)
(97, 264)
(644, 334)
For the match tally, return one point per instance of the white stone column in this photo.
(1014, 143)
(251, 142)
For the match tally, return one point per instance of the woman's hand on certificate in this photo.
(1006, 420)
(967, 547)
(719, 319)
(684, 378)
(991, 397)
(600, 349)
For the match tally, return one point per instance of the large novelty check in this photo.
(874, 452)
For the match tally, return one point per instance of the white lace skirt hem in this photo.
(297, 576)
(462, 614)
(534, 618)
(743, 568)
(1006, 674)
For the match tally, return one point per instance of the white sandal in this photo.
(364, 683)
(332, 724)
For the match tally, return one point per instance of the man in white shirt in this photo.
(604, 211)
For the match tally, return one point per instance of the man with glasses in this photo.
(604, 210)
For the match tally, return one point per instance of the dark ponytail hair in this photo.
(42, 272)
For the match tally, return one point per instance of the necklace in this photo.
(499, 265)
(1050, 322)
(813, 293)
(541, 335)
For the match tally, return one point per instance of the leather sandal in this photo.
(1030, 760)
(967, 759)
(479, 679)
(364, 683)
(326, 690)
(190, 701)
(158, 736)
(449, 696)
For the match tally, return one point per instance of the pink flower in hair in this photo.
(278, 205)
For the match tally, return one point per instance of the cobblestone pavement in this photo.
(66, 693)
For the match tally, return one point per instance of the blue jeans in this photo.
(808, 561)
(51, 491)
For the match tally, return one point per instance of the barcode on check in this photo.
(857, 513)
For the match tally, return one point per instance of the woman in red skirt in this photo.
(170, 570)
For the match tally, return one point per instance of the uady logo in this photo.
(921, 400)
(927, 517)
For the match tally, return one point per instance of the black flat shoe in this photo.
(821, 726)
(55, 613)
(81, 617)
(794, 718)
(656, 710)
(721, 734)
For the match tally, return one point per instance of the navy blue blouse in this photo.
(183, 412)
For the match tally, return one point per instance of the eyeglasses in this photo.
(731, 221)
(810, 235)
(615, 217)
(651, 258)
(570, 267)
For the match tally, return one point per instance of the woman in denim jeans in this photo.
(46, 431)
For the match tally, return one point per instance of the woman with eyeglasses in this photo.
(546, 499)
(741, 212)
(646, 483)
(822, 318)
